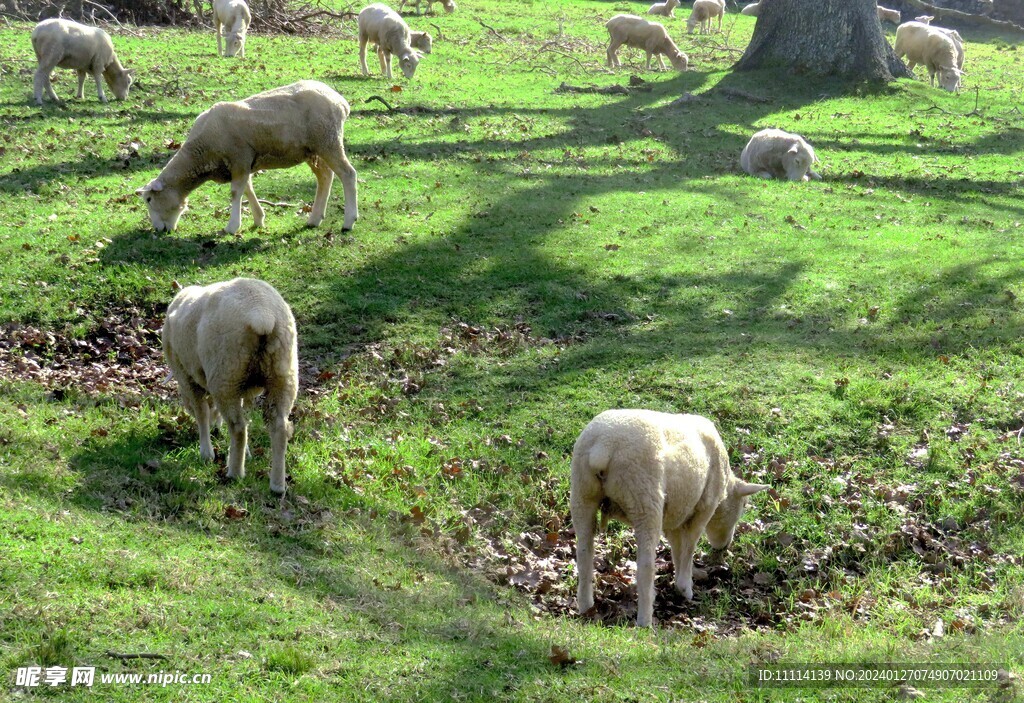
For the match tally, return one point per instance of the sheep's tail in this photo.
(260, 320)
(596, 460)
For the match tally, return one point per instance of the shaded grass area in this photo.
(525, 259)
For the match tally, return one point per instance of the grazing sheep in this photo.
(421, 41)
(753, 9)
(934, 47)
(448, 5)
(772, 153)
(228, 342)
(380, 25)
(885, 14)
(639, 33)
(703, 12)
(665, 9)
(277, 128)
(67, 44)
(231, 18)
(661, 473)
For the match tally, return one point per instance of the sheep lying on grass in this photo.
(382, 26)
(938, 49)
(448, 5)
(278, 128)
(661, 473)
(703, 12)
(753, 9)
(773, 153)
(87, 50)
(228, 342)
(887, 15)
(665, 9)
(638, 33)
(231, 18)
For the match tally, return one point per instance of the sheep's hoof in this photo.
(279, 490)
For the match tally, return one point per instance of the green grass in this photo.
(525, 258)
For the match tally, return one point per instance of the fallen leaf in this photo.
(560, 657)
(232, 512)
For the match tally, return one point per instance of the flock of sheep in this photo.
(228, 342)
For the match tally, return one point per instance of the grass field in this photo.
(526, 257)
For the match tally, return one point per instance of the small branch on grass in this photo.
(384, 102)
(440, 34)
(975, 112)
(929, 109)
(491, 29)
(271, 203)
(605, 90)
(134, 655)
(562, 53)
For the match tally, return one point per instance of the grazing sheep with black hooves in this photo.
(87, 50)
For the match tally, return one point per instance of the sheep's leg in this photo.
(661, 62)
(280, 399)
(613, 55)
(258, 213)
(683, 541)
(239, 184)
(203, 418)
(234, 414)
(647, 532)
(362, 53)
(385, 61)
(42, 82)
(324, 180)
(81, 85)
(584, 521)
(219, 27)
(340, 164)
(97, 74)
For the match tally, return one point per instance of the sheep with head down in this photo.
(638, 33)
(380, 25)
(703, 12)
(940, 50)
(231, 19)
(87, 50)
(773, 153)
(226, 343)
(278, 128)
(660, 473)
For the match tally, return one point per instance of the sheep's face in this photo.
(949, 78)
(678, 60)
(119, 82)
(797, 162)
(408, 63)
(233, 43)
(449, 6)
(423, 42)
(722, 524)
(165, 205)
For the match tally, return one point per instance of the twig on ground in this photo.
(929, 109)
(271, 203)
(138, 655)
(382, 101)
(491, 29)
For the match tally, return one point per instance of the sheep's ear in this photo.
(795, 149)
(744, 489)
(140, 191)
(156, 186)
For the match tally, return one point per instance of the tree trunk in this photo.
(823, 38)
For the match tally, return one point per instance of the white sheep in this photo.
(661, 473)
(231, 18)
(753, 9)
(924, 19)
(227, 343)
(665, 9)
(885, 14)
(421, 41)
(279, 128)
(941, 53)
(703, 12)
(87, 50)
(380, 25)
(773, 153)
(448, 5)
(638, 33)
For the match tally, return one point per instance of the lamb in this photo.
(277, 128)
(934, 47)
(773, 153)
(67, 44)
(661, 473)
(234, 18)
(227, 343)
(384, 27)
(421, 41)
(753, 9)
(448, 5)
(665, 9)
(703, 12)
(885, 14)
(924, 19)
(639, 33)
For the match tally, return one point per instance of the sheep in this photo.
(939, 51)
(703, 12)
(227, 343)
(665, 9)
(384, 27)
(773, 153)
(448, 5)
(885, 13)
(231, 18)
(661, 473)
(277, 128)
(421, 41)
(639, 33)
(67, 44)
(753, 9)
(924, 19)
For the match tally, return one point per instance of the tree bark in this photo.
(840, 38)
